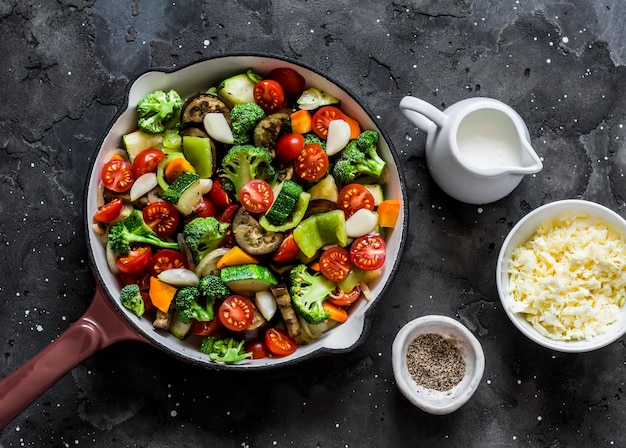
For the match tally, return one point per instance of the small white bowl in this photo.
(519, 235)
(429, 400)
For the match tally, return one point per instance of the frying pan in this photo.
(106, 321)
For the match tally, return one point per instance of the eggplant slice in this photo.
(252, 237)
(268, 130)
(196, 107)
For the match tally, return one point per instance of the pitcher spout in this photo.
(530, 163)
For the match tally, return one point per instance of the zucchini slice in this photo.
(246, 279)
(185, 192)
(287, 194)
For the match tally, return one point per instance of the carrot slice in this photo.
(176, 167)
(235, 257)
(301, 122)
(388, 212)
(355, 128)
(161, 294)
(336, 312)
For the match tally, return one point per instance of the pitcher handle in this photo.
(422, 114)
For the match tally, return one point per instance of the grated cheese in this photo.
(569, 279)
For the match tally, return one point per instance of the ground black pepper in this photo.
(435, 362)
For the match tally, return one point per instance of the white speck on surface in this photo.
(173, 413)
(565, 39)
(206, 42)
(548, 61)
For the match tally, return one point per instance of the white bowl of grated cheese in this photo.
(561, 276)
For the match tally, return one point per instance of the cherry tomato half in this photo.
(289, 146)
(257, 348)
(312, 162)
(236, 312)
(341, 298)
(323, 117)
(269, 95)
(291, 81)
(136, 260)
(208, 328)
(256, 196)
(279, 343)
(335, 263)
(165, 259)
(353, 197)
(368, 252)
(117, 175)
(141, 279)
(218, 195)
(288, 249)
(204, 208)
(146, 161)
(109, 211)
(162, 217)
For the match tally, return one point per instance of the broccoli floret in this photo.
(134, 230)
(308, 291)
(202, 235)
(359, 158)
(188, 306)
(130, 296)
(212, 288)
(159, 110)
(224, 350)
(246, 162)
(312, 138)
(244, 117)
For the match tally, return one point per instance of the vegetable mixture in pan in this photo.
(250, 216)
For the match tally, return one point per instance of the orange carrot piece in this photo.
(176, 167)
(161, 294)
(336, 312)
(355, 128)
(235, 257)
(301, 122)
(388, 212)
(315, 266)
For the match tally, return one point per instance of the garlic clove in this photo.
(338, 136)
(217, 127)
(362, 222)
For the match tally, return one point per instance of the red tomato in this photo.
(322, 118)
(142, 279)
(204, 208)
(312, 162)
(368, 252)
(165, 259)
(279, 343)
(269, 95)
(256, 196)
(207, 328)
(117, 175)
(289, 146)
(146, 161)
(353, 197)
(218, 195)
(340, 298)
(291, 81)
(288, 249)
(136, 260)
(109, 211)
(162, 217)
(236, 312)
(257, 348)
(335, 264)
(229, 213)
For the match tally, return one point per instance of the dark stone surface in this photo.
(66, 65)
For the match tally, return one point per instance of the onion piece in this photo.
(208, 264)
(217, 127)
(362, 222)
(338, 136)
(179, 277)
(266, 303)
(142, 185)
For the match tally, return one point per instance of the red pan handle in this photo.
(99, 327)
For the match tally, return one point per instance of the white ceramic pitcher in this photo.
(477, 150)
